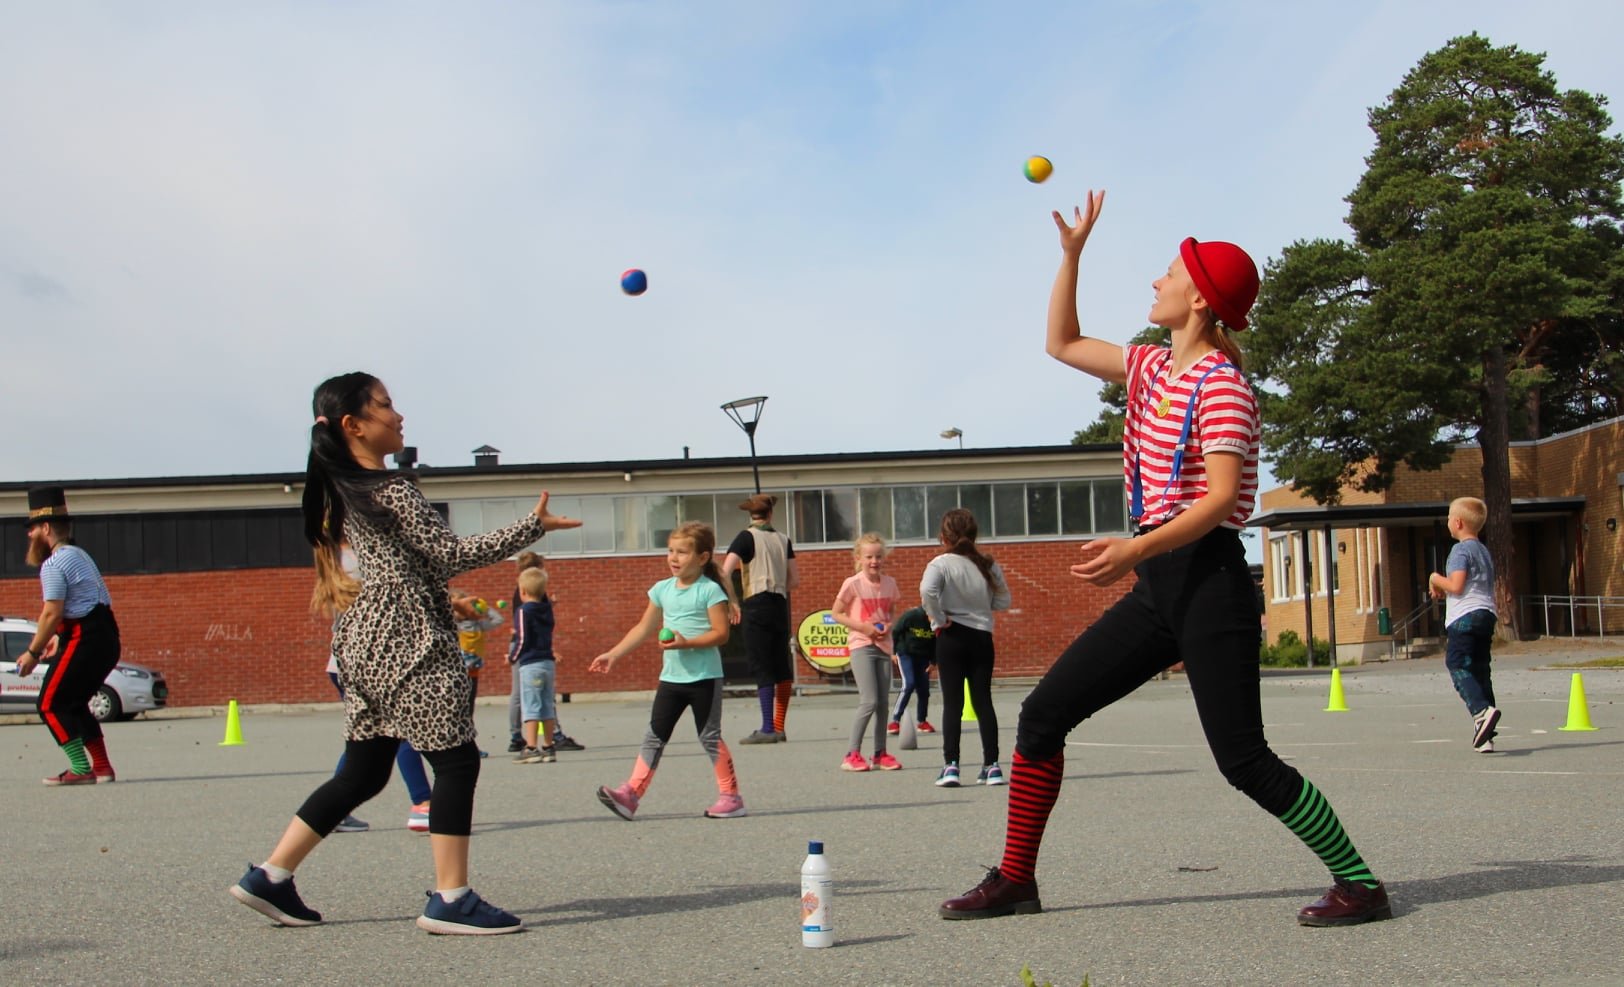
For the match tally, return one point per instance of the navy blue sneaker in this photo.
(278, 902)
(469, 915)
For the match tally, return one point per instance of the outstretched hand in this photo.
(1072, 238)
(552, 522)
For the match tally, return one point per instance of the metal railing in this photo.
(1572, 611)
(1405, 628)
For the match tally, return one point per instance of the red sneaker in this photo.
(854, 762)
(105, 776)
(893, 728)
(883, 761)
(925, 727)
(69, 777)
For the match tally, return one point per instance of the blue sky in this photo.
(209, 207)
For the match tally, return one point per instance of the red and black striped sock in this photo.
(781, 705)
(1034, 784)
(97, 749)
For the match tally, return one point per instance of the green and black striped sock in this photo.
(78, 760)
(1315, 823)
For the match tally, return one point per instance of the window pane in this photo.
(598, 524)
(662, 519)
(909, 518)
(1076, 507)
(499, 513)
(631, 524)
(938, 501)
(978, 501)
(808, 515)
(876, 511)
(467, 518)
(1042, 509)
(1110, 506)
(698, 507)
(840, 515)
(1009, 510)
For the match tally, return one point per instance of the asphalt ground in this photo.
(1504, 867)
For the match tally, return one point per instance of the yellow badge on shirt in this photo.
(1164, 406)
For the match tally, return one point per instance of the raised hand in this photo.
(1072, 238)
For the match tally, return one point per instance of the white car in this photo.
(129, 689)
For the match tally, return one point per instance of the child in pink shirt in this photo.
(864, 605)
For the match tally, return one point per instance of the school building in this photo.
(211, 577)
(1356, 573)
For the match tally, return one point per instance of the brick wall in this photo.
(1585, 463)
(248, 635)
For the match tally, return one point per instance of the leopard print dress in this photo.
(396, 645)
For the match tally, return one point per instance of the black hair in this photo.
(335, 484)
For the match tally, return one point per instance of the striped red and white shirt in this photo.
(1225, 420)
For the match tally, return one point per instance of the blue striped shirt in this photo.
(71, 576)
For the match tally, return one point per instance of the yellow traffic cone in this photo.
(1339, 702)
(1578, 709)
(969, 707)
(233, 726)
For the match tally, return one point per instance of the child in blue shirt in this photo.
(1469, 617)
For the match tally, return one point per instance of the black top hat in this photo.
(47, 504)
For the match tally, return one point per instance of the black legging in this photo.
(965, 654)
(1195, 604)
(365, 772)
(764, 618)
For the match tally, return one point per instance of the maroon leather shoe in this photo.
(996, 895)
(1348, 903)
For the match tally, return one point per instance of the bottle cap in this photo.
(814, 846)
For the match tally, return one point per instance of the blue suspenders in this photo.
(1136, 506)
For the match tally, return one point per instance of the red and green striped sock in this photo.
(78, 760)
(1316, 824)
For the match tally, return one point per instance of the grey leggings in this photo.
(871, 667)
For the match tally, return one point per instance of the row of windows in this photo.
(204, 541)
(642, 522)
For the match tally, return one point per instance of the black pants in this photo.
(964, 654)
(764, 619)
(1195, 604)
(365, 771)
(87, 649)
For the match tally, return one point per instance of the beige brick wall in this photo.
(1388, 566)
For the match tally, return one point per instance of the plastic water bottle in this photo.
(817, 888)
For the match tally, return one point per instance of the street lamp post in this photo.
(954, 433)
(746, 412)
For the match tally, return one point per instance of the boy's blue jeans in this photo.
(1467, 658)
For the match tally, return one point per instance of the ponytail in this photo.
(335, 588)
(958, 534)
(1226, 341)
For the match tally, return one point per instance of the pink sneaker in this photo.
(621, 801)
(854, 762)
(726, 807)
(885, 762)
(68, 777)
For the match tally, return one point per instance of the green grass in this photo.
(1617, 662)
(1028, 980)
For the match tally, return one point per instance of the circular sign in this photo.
(823, 642)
